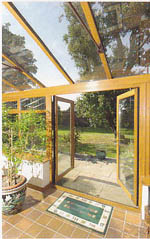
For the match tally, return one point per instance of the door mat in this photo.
(82, 211)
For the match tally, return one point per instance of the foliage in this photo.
(20, 136)
(65, 138)
(100, 108)
(13, 46)
(93, 139)
(124, 31)
(80, 45)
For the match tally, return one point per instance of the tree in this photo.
(81, 47)
(124, 28)
(124, 31)
(13, 46)
(99, 108)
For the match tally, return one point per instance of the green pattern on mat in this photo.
(81, 209)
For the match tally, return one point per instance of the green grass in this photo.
(92, 140)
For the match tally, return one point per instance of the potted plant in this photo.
(22, 137)
(13, 185)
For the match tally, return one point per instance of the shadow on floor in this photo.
(93, 159)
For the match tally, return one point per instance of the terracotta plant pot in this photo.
(13, 197)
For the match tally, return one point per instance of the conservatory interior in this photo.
(81, 72)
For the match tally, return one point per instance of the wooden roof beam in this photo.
(92, 25)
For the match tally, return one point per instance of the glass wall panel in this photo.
(64, 137)
(36, 103)
(126, 143)
(33, 133)
(124, 29)
(21, 48)
(66, 38)
(11, 104)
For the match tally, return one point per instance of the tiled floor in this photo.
(35, 222)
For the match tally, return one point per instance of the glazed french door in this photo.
(64, 137)
(127, 143)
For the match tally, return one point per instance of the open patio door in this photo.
(127, 143)
(64, 137)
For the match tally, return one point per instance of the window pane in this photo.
(33, 133)
(11, 104)
(124, 29)
(37, 103)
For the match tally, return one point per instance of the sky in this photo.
(46, 23)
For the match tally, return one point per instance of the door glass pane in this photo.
(64, 140)
(126, 143)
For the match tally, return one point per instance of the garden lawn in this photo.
(92, 139)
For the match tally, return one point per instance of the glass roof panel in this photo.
(61, 31)
(124, 29)
(44, 70)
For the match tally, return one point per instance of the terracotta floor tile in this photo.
(133, 218)
(117, 224)
(67, 229)
(24, 224)
(64, 220)
(12, 233)
(84, 228)
(57, 235)
(35, 194)
(118, 214)
(112, 233)
(41, 206)
(34, 229)
(34, 214)
(23, 235)
(125, 235)
(55, 224)
(50, 200)
(131, 229)
(57, 193)
(26, 210)
(15, 219)
(78, 233)
(95, 235)
(6, 217)
(46, 233)
(44, 219)
(5, 227)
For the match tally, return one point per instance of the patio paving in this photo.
(95, 177)
(35, 222)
